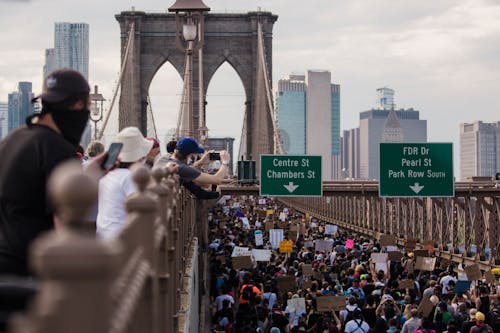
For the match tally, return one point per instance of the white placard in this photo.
(236, 205)
(391, 248)
(261, 255)
(262, 201)
(379, 257)
(331, 229)
(258, 224)
(296, 304)
(259, 240)
(282, 216)
(246, 223)
(241, 252)
(275, 237)
(381, 266)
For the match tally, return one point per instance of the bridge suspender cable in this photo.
(262, 55)
(181, 113)
(130, 43)
(150, 111)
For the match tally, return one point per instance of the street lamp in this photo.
(96, 108)
(189, 20)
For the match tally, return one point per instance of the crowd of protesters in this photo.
(250, 299)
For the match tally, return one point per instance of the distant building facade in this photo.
(71, 47)
(386, 125)
(50, 62)
(308, 117)
(222, 144)
(19, 105)
(479, 149)
(350, 154)
(4, 119)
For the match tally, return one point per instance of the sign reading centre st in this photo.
(416, 170)
(287, 175)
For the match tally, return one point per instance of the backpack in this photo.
(248, 294)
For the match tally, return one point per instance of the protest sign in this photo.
(286, 283)
(307, 285)
(473, 272)
(425, 307)
(407, 284)
(261, 255)
(240, 251)
(269, 212)
(269, 226)
(421, 253)
(330, 303)
(282, 216)
(275, 237)
(410, 244)
(381, 266)
(425, 263)
(292, 235)
(331, 229)
(307, 270)
(386, 240)
(296, 304)
(282, 224)
(461, 287)
(323, 245)
(308, 244)
(241, 262)
(258, 224)
(379, 257)
(259, 239)
(395, 256)
(349, 243)
(286, 246)
(262, 201)
(490, 278)
(246, 223)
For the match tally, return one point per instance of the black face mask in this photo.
(71, 123)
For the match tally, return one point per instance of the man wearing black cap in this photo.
(29, 154)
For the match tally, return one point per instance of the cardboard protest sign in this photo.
(490, 278)
(261, 214)
(331, 229)
(240, 251)
(296, 304)
(307, 270)
(292, 235)
(287, 283)
(349, 243)
(261, 255)
(302, 229)
(425, 263)
(406, 284)
(269, 212)
(473, 272)
(306, 285)
(286, 246)
(386, 240)
(421, 253)
(410, 244)
(309, 244)
(425, 307)
(259, 239)
(294, 227)
(381, 266)
(461, 287)
(323, 245)
(242, 262)
(269, 226)
(282, 224)
(395, 256)
(330, 303)
(275, 237)
(379, 257)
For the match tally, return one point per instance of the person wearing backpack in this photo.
(248, 291)
(357, 324)
(480, 326)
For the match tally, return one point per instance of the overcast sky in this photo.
(442, 57)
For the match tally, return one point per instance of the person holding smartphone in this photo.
(117, 185)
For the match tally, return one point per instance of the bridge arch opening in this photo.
(165, 94)
(225, 109)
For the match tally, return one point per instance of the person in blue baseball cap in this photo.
(185, 149)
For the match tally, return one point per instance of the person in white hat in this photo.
(117, 185)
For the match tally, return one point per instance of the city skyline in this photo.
(440, 57)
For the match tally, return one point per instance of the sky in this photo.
(440, 56)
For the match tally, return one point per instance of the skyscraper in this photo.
(71, 47)
(19, 105)
(479, 149)
(4, 118)
(384, 124)
(308, 116)
(350, 154)
(50, 62)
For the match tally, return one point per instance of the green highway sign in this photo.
(287, 175)
(416, 170)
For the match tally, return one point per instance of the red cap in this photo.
(156, 143)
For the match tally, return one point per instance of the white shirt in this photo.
(219, 299)
(357, 326)
(445, 282)
(114, 188)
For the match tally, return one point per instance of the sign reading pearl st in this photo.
(290, 175)
(416, 170)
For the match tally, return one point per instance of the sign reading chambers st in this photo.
(287, 175)
(416, 170)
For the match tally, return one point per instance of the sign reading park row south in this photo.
(290, 175)
(416, 170)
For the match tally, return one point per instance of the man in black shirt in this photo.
(29, 155)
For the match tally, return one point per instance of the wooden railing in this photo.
(135, 283)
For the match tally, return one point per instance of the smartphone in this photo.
(214, 156)
(112, 156)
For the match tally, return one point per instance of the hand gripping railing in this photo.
(134, 283)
